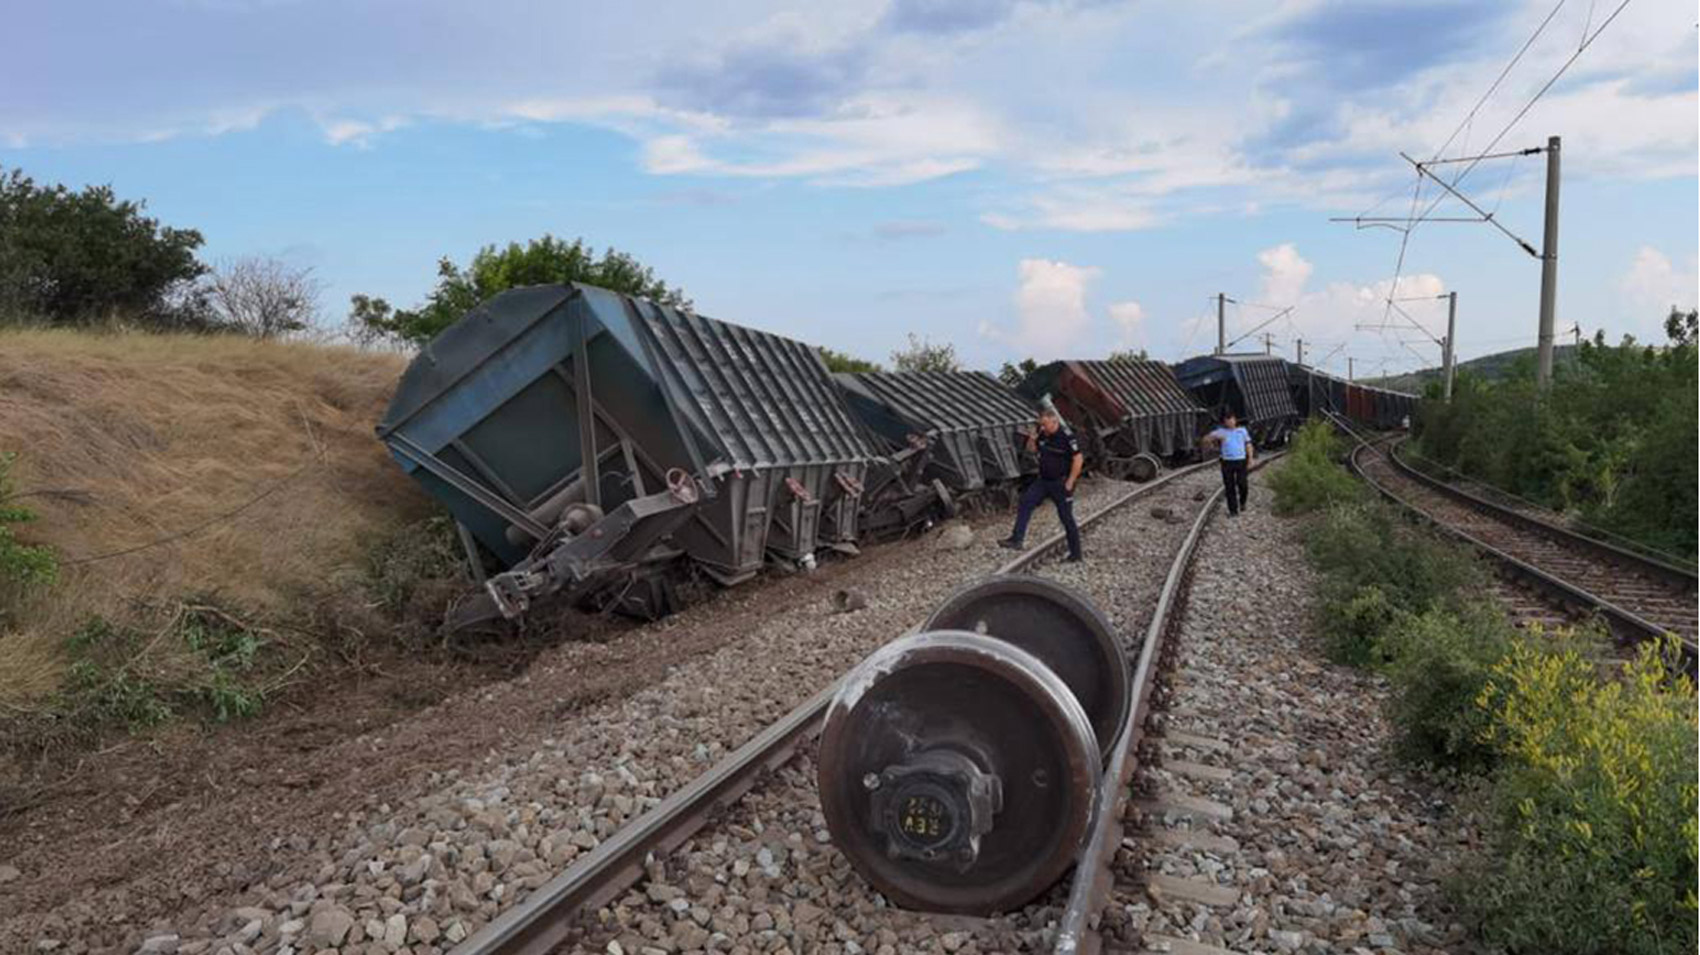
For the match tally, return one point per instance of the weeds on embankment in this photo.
(1588, 769)
(190, 525)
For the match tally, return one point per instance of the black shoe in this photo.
(1010, 543)
(1073, 559)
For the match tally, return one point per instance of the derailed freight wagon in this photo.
(1130, 415)
(968, 426)
(1317, 392)
(1254, 387)
(588, 442)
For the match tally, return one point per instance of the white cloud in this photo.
(1653, 283)
(1285, 273)
(358, 133)
(1130, 318)
(1050, 308)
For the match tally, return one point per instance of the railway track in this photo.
(549, 917)
(1637, 596)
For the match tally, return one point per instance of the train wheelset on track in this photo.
(959, 765)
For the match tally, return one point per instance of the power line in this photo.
(1501, 77)
(1586, 42)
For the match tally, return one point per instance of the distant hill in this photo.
(1490, 367)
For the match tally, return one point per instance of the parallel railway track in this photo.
(1637, 596)
(548, 917)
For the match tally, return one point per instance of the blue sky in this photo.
(1019, 178)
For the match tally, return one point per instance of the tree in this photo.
(544, 261)
(837, 361)
(1013, 375)
(1130, 354)
(1682, 328)
(81, 257)
(264, 297)
(923, 355)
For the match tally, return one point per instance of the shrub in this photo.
(1353, 620)
(20, 564)
(78, 257)
(1311, 478)
(542, 261)
(1594, 807)
(1438, 663)
(1366, 544)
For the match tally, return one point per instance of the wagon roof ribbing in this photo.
(758, 398)
(942, 401)
(1142, 386)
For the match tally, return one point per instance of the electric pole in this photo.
(1549, 270)
(1268, 344)
(1221, 322)
(1447, 348)
(1351, 375)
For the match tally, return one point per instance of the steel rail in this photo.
(1624, 622)
(1077, 932)
(1665, 570)
(545, 920)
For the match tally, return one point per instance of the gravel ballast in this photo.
(1339, 847)
(768, 879)
(422, 874)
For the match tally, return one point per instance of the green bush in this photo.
(1594, 807)
(82, 257)
(1613, 442)
(122, 676)
(1311, 478)
(21, 565)
(1438, 662)
(542, 261)
(1367, 544)
(1353, 620)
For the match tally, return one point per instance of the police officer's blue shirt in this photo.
(1234, 441)
(1056, 453)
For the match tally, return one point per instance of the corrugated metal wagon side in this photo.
(585, 440)
(968, 422)
(1254, 387)
(1130, 414)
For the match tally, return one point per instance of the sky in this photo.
(1019, 178)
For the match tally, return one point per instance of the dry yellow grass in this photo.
(155, 434)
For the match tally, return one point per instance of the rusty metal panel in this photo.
(1126, 407)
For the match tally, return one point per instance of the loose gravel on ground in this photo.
(1340, 848)
(421, 875)
(768, 879)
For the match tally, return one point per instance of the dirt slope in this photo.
(127, 439)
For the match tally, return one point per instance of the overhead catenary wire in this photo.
(1587, 40)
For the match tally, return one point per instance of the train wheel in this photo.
(1143, 467)
(957, 773)
(1060, 627)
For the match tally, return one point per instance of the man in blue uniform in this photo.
(1059, 468)
(1236, 459)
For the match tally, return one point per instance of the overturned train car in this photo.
(1317, 393)
(1132, 416)
(1254, 387)
(968, 428)
(588, 443)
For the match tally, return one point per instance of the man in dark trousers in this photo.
(1236, 459)
(1059, 468)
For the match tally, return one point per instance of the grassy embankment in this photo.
(217, 519)
(1586, 769)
